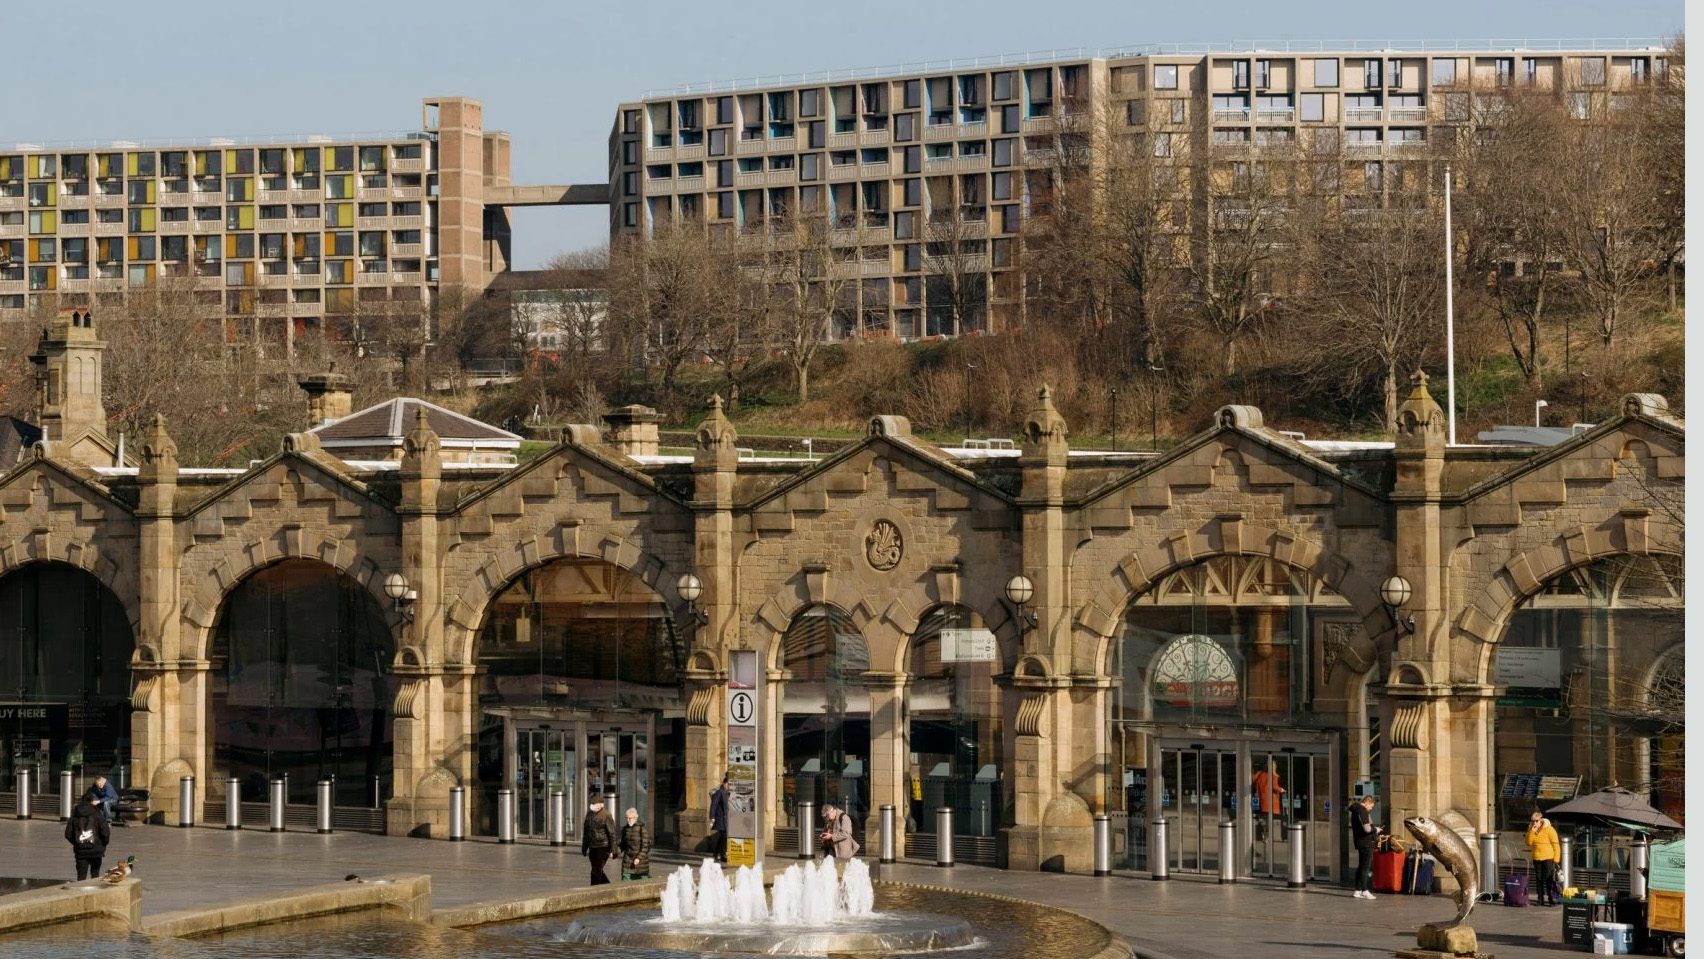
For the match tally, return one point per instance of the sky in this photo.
(552, 73)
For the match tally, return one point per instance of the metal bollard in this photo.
(1103, 845)
(1565, 874)
(805, 816)
(1297, 835)
(233, 803)
(1638, 860)
(983, 804)
(1159, 857)
(67, 795)
(610, 807)
(505, 816)
(186, 801)
(23, 792)
(275, 804)
(886, 846)
(1227, 851)
(944, 836)
(557, 810)
(322, 806)
(1490, 886)
(458, 814)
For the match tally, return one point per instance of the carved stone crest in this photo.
(883, 545)
(1337, 639)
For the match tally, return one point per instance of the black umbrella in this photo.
(1614, 807)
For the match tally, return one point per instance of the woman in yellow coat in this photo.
(1546, 850)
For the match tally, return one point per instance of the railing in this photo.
(1363, 114)
(1239, 115)
(300, 139)
(1408, 114)
(1276, 115)
(1364, 146)
(1151, 50)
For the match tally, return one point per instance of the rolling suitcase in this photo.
(1417, 874)
(1515, 889)
(1387, 871)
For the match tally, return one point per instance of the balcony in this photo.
(9, 204)
(690, 184)
(1363, 114)
(841, 141)
(405, 251)
(12, 286)
(176, 227)
(1038, 125)
(781, 177)
(750, 147)
(694, 152)
(868, 170)
(875, 138)
(373, 279)
(940, 131)
(406, 277)
(415, 165)
(405, 222)
(109, 229)
(754, 178)
(840, 173)
(272, 196)
(272, 310)
(306, 224)
(417, 192)
(105, 201)
(1276, 115)
(1407, 114)
(1364, 146)
(1230, 116)
(207, 227)
(305, 196)
(658, 154)
(373, 193)
(1408, 146)
(305, 280)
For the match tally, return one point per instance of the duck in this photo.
(120, 872)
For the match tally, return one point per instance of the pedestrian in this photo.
(719, 821)
(597, 838)
(838, 835)
(1268, 791)
(1366, 836)
(635, 848)
(106, 796)
(1546, 850)
(88, 833)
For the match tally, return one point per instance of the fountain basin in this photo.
(884, 934)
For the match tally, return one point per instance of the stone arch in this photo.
(242, 561)
(465, 609)
(1008, 645)
(1144, 568)
(778, 614)
(87, 556)
(1483, 621)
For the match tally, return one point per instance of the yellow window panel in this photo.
(49, 222)
(245, 217)
(230, 160)
(35, 250)
(53, 194)
(8, 167)
(132, 164)
(230, 245)
(132, 244)
(299, 245)
(149, 193)
(148, 217)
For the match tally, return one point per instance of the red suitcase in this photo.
(1387, 871)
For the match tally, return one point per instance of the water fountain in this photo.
(812, 909)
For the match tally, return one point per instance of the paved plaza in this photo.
(1185, 918)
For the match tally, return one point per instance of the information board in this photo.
(967, 646)
(744, 713)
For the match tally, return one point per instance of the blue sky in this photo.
(551, 73)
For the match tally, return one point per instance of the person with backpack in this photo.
(88, 833)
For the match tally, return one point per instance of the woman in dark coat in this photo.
(597, 838)
(635, 848)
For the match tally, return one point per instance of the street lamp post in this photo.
(1538, 412)
(1154, 408)
(1115, 419)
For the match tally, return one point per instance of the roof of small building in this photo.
(388, 422)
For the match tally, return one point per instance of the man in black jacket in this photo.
(597, 838)
(1366, 837)
(88, 833)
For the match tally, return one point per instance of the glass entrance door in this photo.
(544, 761)
(1197, 791)
(1290, 785)
(618, 761)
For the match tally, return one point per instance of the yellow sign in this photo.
(742, 852)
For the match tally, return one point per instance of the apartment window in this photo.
(101, 216)
(1580, 106)
(1003, 151)
(409, 208)
(1639, 69)
(914, 192)
(873, 156)
(1592, 71)
(940, 151)
(43, 251)
(1372, 71)
(1263, 73)
(42, 278)
(73, 216)
(1227, 106)
(1239, 74)
(174, 249)
(141, 164)
(1009, 118)
(1531, 71)
(630, 214)
(1230, 137)
(724, 173)
(43, 194)
(973, 148)
(366, 209)
(718, 143)
(1362, 135)
(905, 127)
(1162, 145)
(1002, 186)
(1325, 73)
(174, 163)
(630, 151)
(1396, 74)
(240, 246)
(747, 165)
(141, 248)
(271, 246)
(816, 134)
(630, 121)
(1135, 113)
(913, 162)
(1274, 136)
(1165, 76)
(141, 219)
(1179, 110)
(810, 166)
(1458, 107)
(1010, 218)
(783, 162)
(1003, 85)
(630, 184)
(173, 214)
(724, 109)
(688, 113)
(1505, 70)
(44, 166)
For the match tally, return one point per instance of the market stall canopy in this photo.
(1615, 807)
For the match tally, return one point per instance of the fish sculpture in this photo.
(1448, 848)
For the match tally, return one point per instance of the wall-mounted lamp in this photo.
(690, 587)
(1395, 593)
(1019, 591)
(397, 588)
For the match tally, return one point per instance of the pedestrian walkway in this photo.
(1184, 918)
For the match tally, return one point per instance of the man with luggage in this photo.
(1366, 837)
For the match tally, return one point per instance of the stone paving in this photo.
(1186, 918)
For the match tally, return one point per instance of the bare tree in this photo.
(1239, 210)
(813, 282)
(955, 261)
(662, 291)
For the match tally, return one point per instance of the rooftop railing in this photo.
(956, 64)
(204, 143)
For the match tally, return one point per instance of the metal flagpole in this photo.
(1449, 306)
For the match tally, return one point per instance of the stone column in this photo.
(420, 788)
(1052, 829)
(889, 748)
(714, 462)
(155, 743)
(1418, 716)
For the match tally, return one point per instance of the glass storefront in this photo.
(301, 685)
(1592, 674)
(580, 689)
(825, 714)
(65, 647)
(954, 726)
